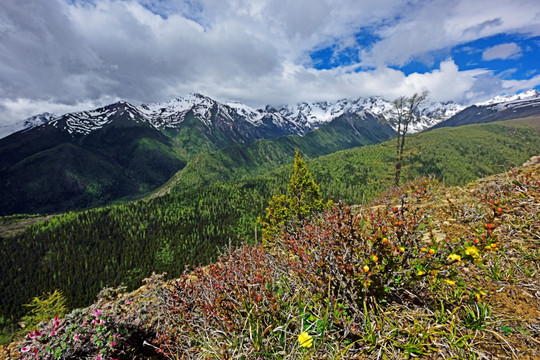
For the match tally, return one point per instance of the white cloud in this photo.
(502, 51)
(441, 24)
(514, 86)
(60, 54)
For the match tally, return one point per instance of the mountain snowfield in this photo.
(296, 119)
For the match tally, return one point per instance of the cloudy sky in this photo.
(68, 55)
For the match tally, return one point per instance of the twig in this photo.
(503, 339)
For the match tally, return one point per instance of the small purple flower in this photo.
(97, 313)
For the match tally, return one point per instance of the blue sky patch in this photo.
(337, 55)
(507, 56)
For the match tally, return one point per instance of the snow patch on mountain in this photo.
(434, 113)
(252, 115)
(523, 96)
(28, 123)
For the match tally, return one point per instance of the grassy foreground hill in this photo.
(423, 271)
(79, 253)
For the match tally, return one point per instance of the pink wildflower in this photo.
(76, 337)
(36, 334)
(25, 349)
(97, 313)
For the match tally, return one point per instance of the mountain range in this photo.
(121, 151)
(290, 119)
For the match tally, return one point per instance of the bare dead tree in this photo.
(404, 113)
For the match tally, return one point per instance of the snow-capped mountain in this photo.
(27, 123)
(289, 119)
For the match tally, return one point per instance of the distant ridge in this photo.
(497, 109)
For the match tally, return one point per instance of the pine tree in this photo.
(303, 198)
(303, 193)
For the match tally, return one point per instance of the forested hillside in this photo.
(80, 253)
(246, 161)
(47, 170)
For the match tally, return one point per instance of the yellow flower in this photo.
(431, 251)
(472, 251)
(454, 257)
(488, 247)
(375, 258)
(402, 249)
(480, 296)
(384, 240)
(305, 340)
(420, 272)
(450, 282)
(366, 268)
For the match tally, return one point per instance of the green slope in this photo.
(47, 170)
(244, 161)
(80, 253)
